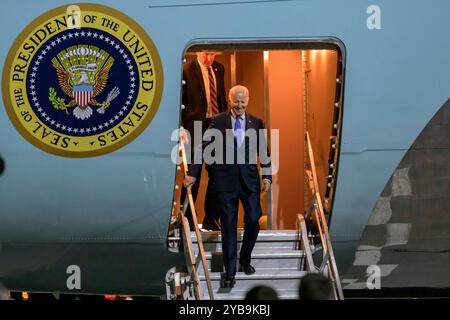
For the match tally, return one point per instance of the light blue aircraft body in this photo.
(110, 214)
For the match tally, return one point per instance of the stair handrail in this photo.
(304, 243)
(192, 270)
(322, 225)
(189, 200)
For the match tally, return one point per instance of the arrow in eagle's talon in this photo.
(101, 110)
(112, 94)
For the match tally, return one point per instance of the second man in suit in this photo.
(203, 98)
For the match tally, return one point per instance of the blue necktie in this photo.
(238, 130)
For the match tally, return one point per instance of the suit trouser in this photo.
(229, 206)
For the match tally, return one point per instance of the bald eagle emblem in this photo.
(82, 72)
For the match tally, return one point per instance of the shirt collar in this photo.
(201, 64)
(233, 115)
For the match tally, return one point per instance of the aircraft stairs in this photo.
(278, 261)
(281, 258)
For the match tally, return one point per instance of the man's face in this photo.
(206, 58)
(238, 102)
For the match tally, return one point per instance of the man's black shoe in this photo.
(229, 282)
(248, 269)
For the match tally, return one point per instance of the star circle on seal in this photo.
(82, 81)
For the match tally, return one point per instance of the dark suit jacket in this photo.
(226, 176)
(194, 98)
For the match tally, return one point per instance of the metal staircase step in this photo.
(270, 259)
(240, 295)
(261, 253)
(275, 258)
(269, 264)
(287, 239)
(260, 275)
(271, 236)
(217, 246)
(286, 284)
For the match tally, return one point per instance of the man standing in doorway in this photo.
(203, 98)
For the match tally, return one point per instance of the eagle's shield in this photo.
(82, 94)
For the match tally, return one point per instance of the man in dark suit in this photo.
(237, 179)
(203, 98)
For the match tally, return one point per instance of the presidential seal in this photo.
(82, 81)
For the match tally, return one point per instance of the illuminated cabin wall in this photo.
(288, 106)
(321, 87)
(286, 114)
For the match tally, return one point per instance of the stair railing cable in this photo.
(329, 262)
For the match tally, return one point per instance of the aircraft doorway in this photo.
(294, 88)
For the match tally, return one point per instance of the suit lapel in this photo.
(229, 121)
(219, 79)
(230, 126)
(248, 122)
(199, 76)
(248, 125)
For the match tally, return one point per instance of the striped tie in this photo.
(213, 93)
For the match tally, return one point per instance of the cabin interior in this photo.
(294, 90)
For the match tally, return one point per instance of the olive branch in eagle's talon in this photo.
(58, 103)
